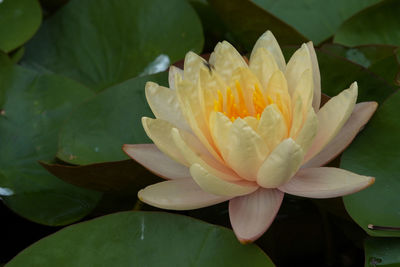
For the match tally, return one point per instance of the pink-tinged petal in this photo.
(182, 194)
(316, 77)
(174, 72)
(215, 185)
(325, 182)
(252, 214)
(331, 118)
(360, 116)
(157, 162)
(165, 105)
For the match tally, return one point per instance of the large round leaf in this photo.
(33, 106)
(96, 131)
(246, 22)
(378, 24)
(142, 239)
(19, 20)
(315, 19)
(376, 152)
(101, 43)
(382, 252)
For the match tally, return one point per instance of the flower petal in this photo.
(247, 150)
(263, 65)
(172, 73)
(268, 41)
(192, 65)
(165, 105)
(278, 93)
(194, 152)
(360, 116)
(157, 162)
(298, 63)
(325, 182)
(316, 77)
(220, 126)
(308, 132)
(188, 96)
(182, 194)
(226, 59)
(331, 118)
(280, 165)
(214, 185)
(159, 131)
(272, 127)
(252, 214)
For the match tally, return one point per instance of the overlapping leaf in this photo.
(33, 107)
(101, 43)
(382, 252)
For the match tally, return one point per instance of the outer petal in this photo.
(157, 162)
(217, 186)
(325, 182)
(247, 150)
(360, 116)
(268, 41)
(298, 63)
(226, 59)
(165, 105)
(272, 126)
(160, 132)
(263, 65)
(182, 194)
(280, 165)
(331, 118)
(316, 77)
(252, 214)
(172, 73)
(195, 152)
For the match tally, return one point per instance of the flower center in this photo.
(234, 105)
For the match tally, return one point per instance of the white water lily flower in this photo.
(248, 133)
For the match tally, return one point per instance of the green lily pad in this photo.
(19, 20)
(101, 43)
(33, 107)
(380, 59)
(96, 131)
(315, 19)
(378, 24)
(376, 152)
(382, 252)
(142, 239)
(246, 22)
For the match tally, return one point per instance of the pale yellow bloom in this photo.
(248, 133)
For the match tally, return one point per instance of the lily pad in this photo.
(380, 59)
(246, 22)
(96, 131)
(102, 43)
(142, 239)
(378, 24)
(315, 19)
(376, 152)
(19, 20)
(382, 252)
(33, 107)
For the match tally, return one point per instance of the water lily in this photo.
(248, 133)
